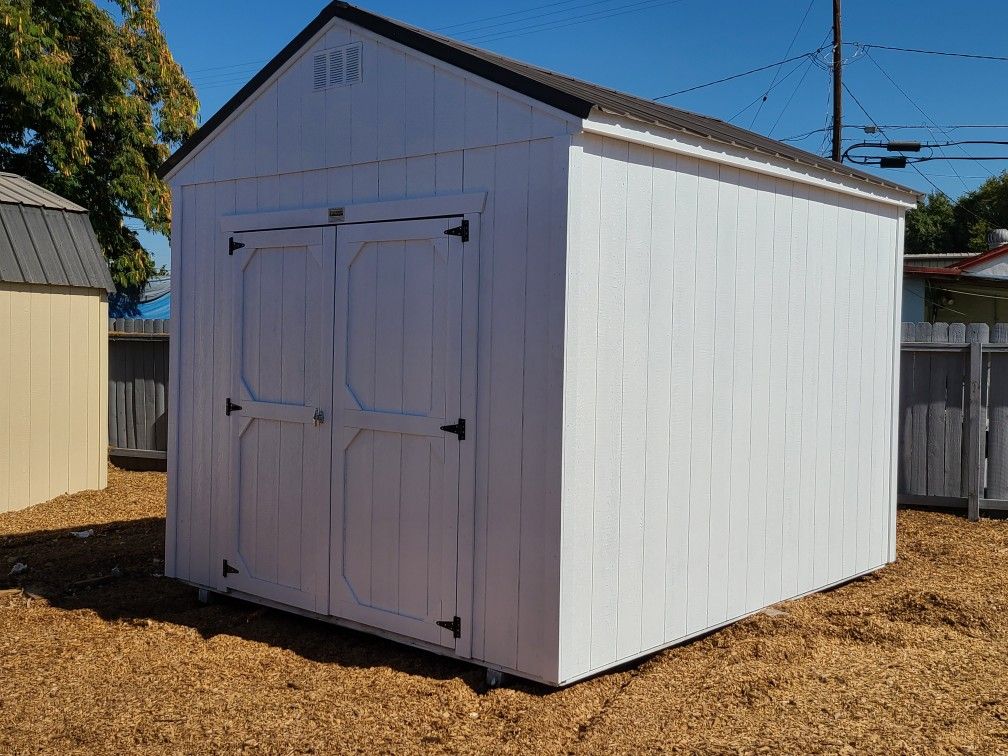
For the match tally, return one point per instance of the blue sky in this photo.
(653, 47)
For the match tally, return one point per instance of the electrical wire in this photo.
(867, 159)
(912, 165)
(806, 134)
(477, 21)
(736, 76)
(920, 110)
(875, 124)
(761, 97)
(574, 21)
(787, 104)
(967, 293)
(487, 29)
(974, 56)
(787, 52)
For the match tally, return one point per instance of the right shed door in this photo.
(398, 378)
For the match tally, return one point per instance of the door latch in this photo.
(231, 407)
(319, 417)
(454, 624)
(457, 428)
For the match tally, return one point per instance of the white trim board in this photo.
(657, 137)
(362, 212)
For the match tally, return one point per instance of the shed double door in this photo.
(399, 376)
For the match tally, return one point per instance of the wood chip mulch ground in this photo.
(100, 654)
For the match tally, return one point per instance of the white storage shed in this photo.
(517, 368)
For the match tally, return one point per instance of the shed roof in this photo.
(574, 96)
(47, 239)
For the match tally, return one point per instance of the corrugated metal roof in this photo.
(579, 98)
(20, 191)
(46, 239)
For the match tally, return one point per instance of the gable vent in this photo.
(337, 67)
(319, 72)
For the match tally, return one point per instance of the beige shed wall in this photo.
(53, 392)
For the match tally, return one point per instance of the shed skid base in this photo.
(494, 678)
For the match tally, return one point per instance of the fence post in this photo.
(976, 336)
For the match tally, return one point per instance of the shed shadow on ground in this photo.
(116, 573)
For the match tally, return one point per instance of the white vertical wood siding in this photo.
(727, 411)
(412, 128)
(53, 392)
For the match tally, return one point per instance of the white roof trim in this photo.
(657, 137)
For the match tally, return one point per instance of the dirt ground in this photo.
(100, 654)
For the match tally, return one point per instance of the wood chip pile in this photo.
(100, 654)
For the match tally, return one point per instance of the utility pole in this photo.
(837, 82)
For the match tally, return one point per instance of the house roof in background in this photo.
(957, 270)
(46, 239)
(574, 96)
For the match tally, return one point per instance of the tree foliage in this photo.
(940, 225)
(90, 106)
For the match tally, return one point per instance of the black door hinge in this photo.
(461, 230)
(231, 407)
(229, 570)
(457, 428)
(233, 246)
(454, 624)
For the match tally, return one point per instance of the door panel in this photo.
(283, 284)
(398, 368)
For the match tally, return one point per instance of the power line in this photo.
(476, 21)
(897, 127)
(738, 75)
(912, 165)
(486, 29)
(917, 146)
(787, 52)
(808, 67)
(875, 124)
(975, 56)
(762, 97)
(812, 61)
(919, 110)
(574, 21)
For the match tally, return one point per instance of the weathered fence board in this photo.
(954, 416)
(138, 377)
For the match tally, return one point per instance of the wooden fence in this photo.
(953, 421)
(138, 383)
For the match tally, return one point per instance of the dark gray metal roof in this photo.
(46, 239)
(579, 98)
(21, 191)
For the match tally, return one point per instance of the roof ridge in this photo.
(563, 92)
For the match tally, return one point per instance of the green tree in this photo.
(90, 106)
(929, 225)
(940, 225)
(981, 210)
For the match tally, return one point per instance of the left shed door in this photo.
(280, 436)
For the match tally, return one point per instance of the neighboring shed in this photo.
(54, 287)
(517, 368)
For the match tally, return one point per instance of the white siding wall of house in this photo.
(730, 348)
(440, 132)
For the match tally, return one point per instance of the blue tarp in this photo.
(153, 302)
